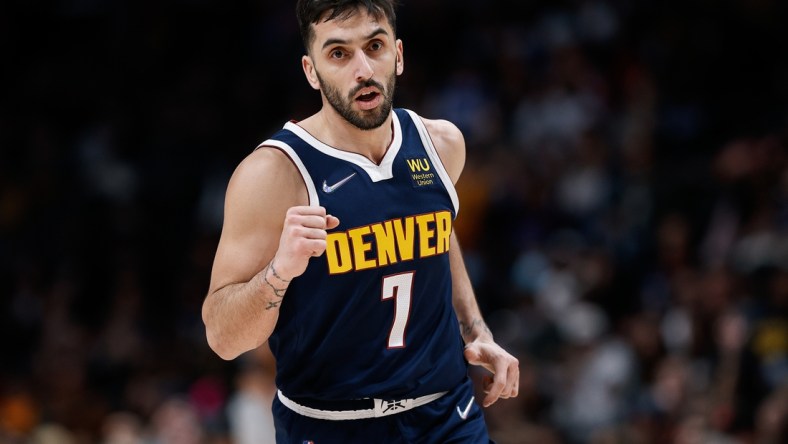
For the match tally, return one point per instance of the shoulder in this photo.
(265, 164)
(266, 174)
(263, 161)
(450, 144)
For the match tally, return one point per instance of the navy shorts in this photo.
(451, 419)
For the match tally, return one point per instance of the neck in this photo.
(330, 128)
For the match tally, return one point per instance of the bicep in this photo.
(241, 253)
(258, 196)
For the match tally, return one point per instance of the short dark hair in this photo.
(309, 12)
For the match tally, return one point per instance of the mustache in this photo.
(366, 84)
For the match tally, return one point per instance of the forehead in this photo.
(356, 27)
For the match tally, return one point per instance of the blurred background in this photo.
(624, 209)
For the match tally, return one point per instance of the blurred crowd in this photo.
(624, 210)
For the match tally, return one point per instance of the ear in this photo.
(309, 72)
(400, 66)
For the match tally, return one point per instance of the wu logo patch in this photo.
(421, 172)
(418, 165)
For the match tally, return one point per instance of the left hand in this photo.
(505, 382)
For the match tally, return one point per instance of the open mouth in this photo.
(368, 97)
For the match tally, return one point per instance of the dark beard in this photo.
(365, 120)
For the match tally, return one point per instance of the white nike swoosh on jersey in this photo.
(332, 188)
(464, 413)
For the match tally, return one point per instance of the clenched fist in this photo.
(303, 237)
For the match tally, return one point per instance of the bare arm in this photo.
(480, 347)
(472, 325)
(267, 239)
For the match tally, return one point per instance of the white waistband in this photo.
(382, 408)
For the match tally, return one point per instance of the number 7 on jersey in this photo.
(400, 288)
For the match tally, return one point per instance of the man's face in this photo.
(356, 62)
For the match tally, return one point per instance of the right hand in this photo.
(303, 237)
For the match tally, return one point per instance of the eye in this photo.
(336, 54)
(376, 45)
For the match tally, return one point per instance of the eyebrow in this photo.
(372, 34)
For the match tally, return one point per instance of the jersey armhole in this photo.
(314, 200)
(429, 147)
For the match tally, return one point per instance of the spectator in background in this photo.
(249, 409)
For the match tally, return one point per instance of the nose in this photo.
(363, 69)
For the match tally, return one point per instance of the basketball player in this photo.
(337, 248)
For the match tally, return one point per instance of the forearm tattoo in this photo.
(278, 292)
(276, 275)
(467, 328)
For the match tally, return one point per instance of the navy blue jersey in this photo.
(373, 316)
